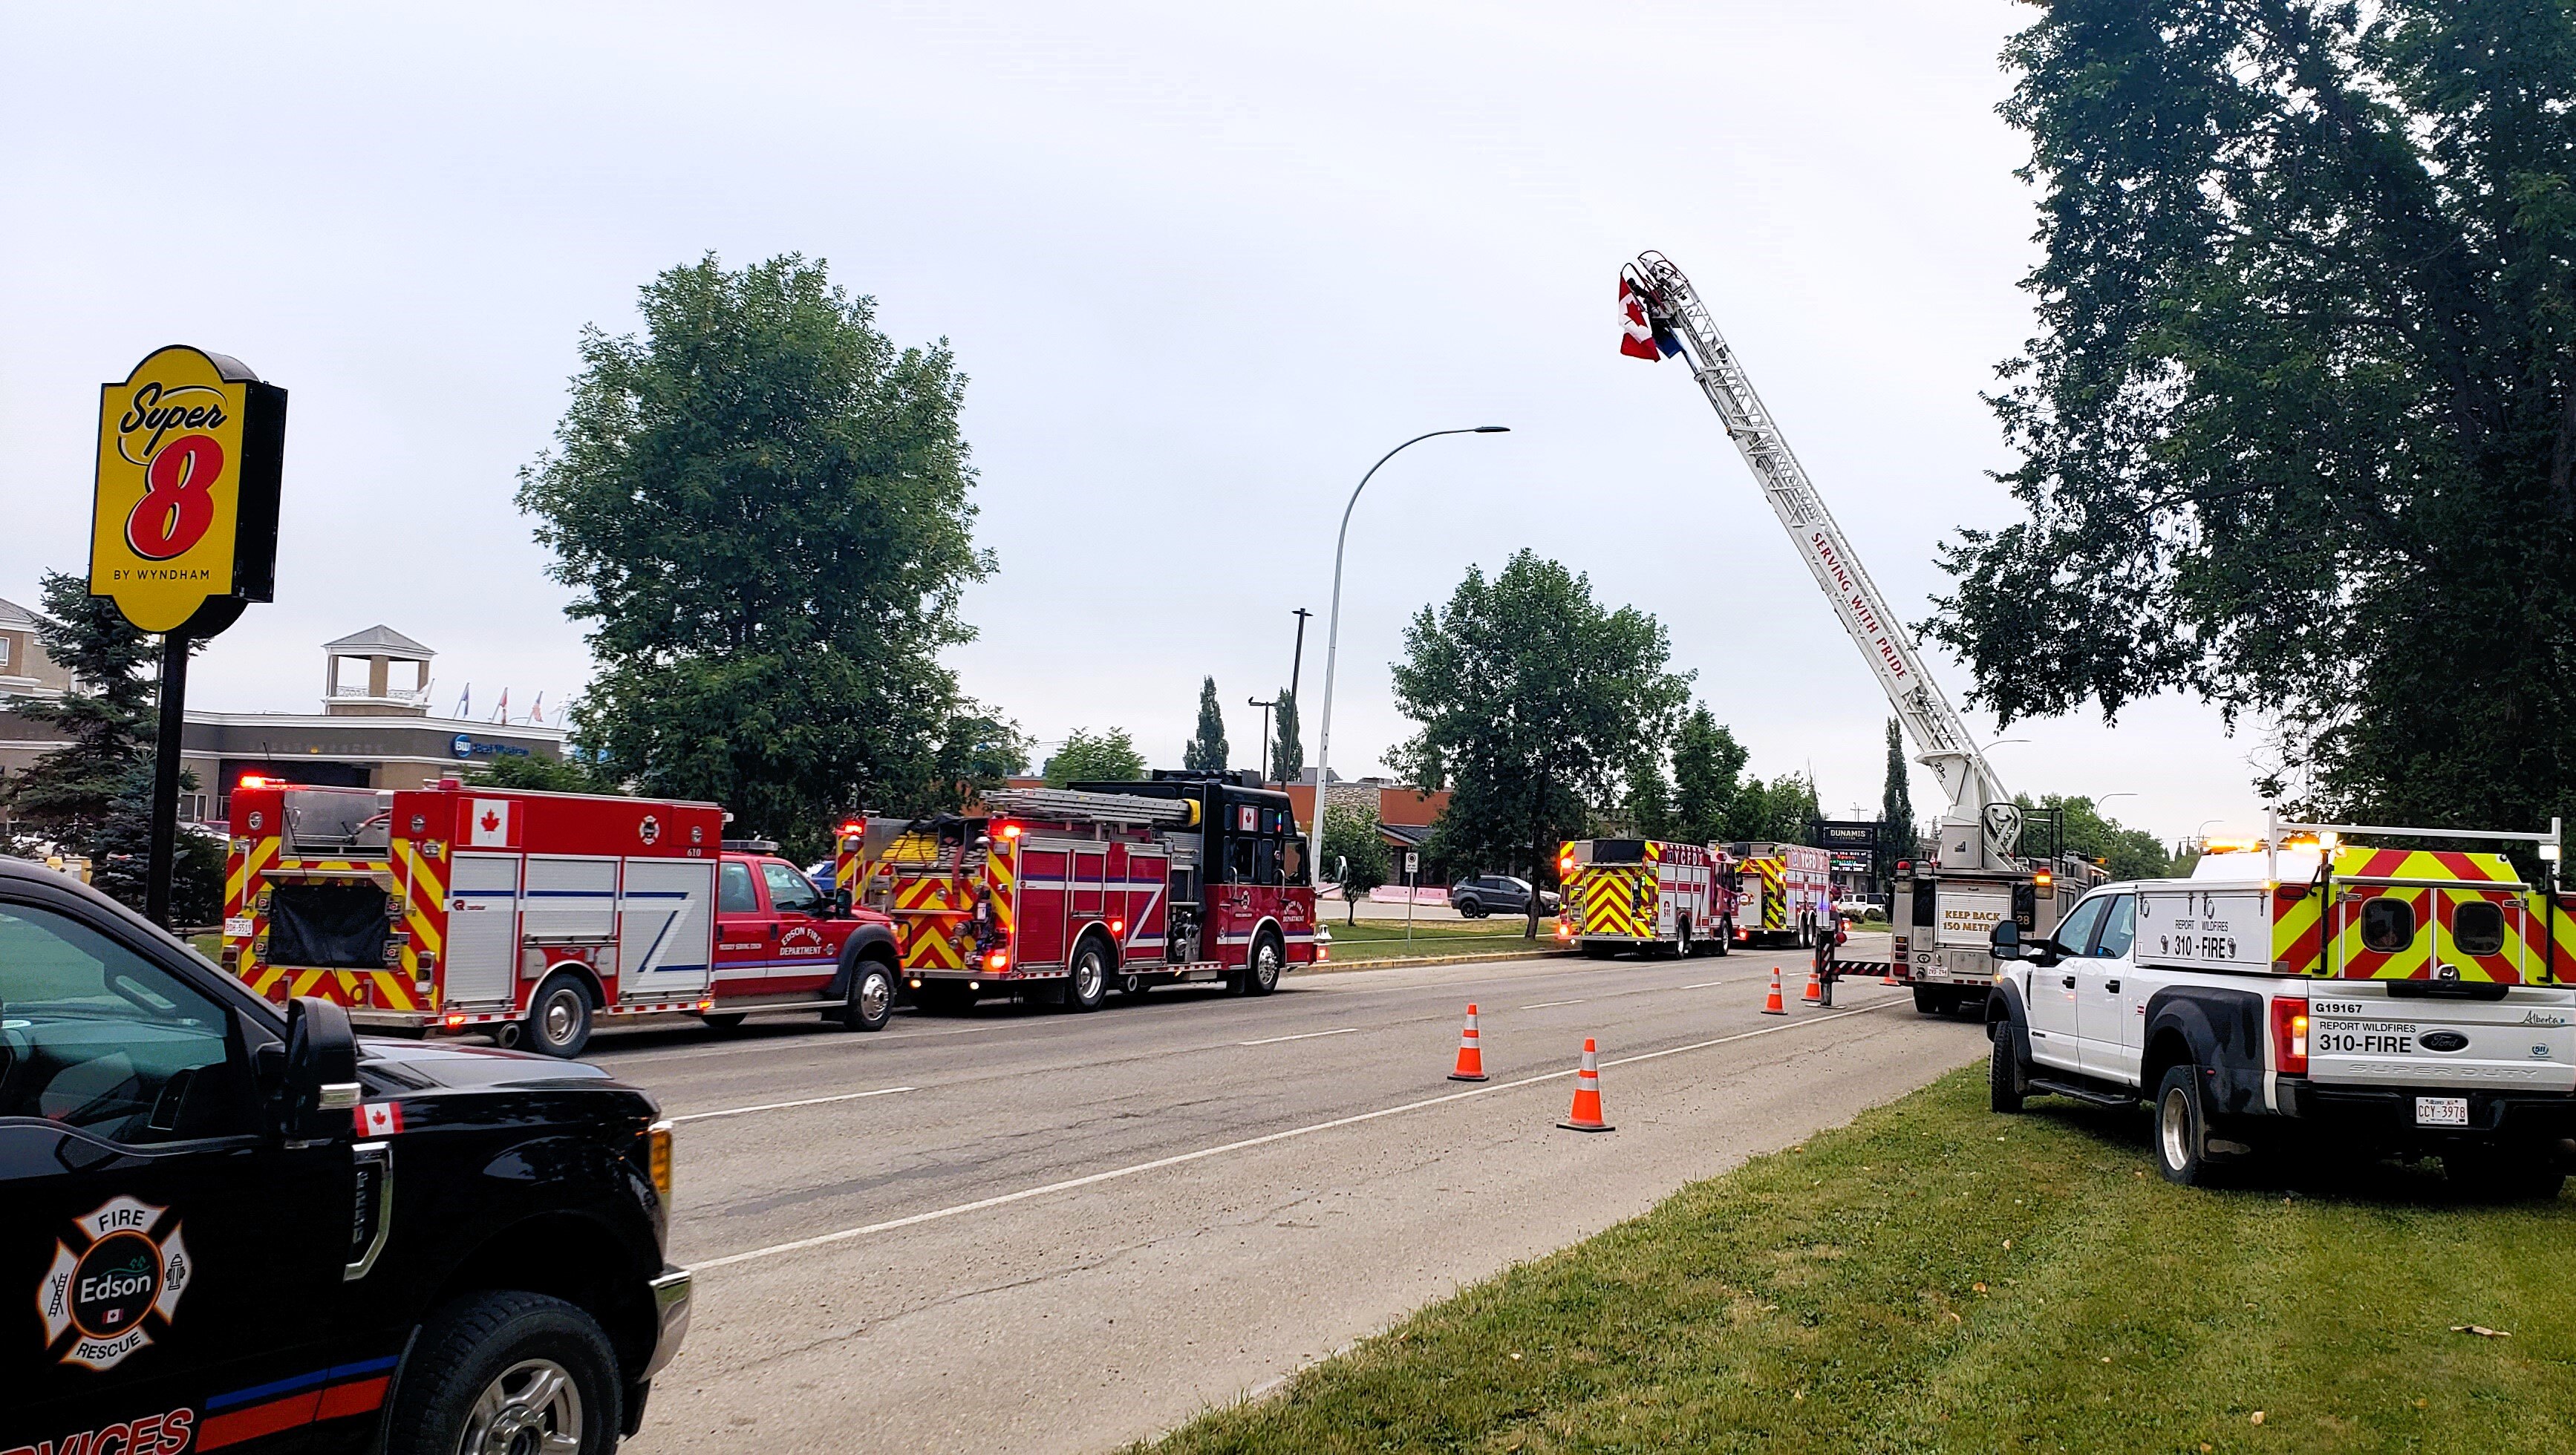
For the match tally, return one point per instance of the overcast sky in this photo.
(1203, 264)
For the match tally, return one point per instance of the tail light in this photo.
(455, 1019)
(1564, 931)
(1118, 927)
(998, 961)
(2290, 1037)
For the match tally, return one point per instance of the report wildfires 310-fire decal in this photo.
(124, 1272)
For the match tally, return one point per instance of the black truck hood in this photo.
(428, 1066)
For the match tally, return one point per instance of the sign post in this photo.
(183, 531)
(1412, 886)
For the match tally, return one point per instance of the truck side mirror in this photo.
(321, 1070)
(2003, 942)
(841, 903)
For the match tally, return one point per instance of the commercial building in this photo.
(373, 728)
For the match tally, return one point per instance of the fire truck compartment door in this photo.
(666, 928)
(482, 928)
(1087, 884)
(571, 896)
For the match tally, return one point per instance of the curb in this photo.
(1332, 967)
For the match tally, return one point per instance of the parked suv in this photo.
(234, 1225)
(1497, 894)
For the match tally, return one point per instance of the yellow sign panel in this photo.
(186, 508)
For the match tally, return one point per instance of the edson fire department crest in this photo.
(104, 1292)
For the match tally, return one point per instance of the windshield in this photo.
(341, 820)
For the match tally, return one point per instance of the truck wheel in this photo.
(2182, 1127)
(1725, 939)
(871, 1002)
(2003, 1071)
(1261, 972)
(559, 1016)
(496, 1372)
(1685, 948)
(728, 1021)
(1088, 984)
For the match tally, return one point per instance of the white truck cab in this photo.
(2385, 999)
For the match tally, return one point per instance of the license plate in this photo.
(237, 927)
(2441, 1111)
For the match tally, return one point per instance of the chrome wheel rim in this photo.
(531, 1408)
(2173, 1127)
(560, 1017)
(1089, 977)
(1266, 964)
(876, 996)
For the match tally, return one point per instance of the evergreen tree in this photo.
(1207, 750)
(92, 797)
(1896, 802)
(1288, 758)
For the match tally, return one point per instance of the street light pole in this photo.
(1333, 642)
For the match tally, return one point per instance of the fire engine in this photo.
(1646, 895)
(1059, 894)
(529, 915)
(1783, 892)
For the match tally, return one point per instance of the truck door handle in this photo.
(2068, 982)
(2113, 987)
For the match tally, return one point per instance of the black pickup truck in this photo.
(226, 1228)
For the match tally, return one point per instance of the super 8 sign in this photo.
(183, 528)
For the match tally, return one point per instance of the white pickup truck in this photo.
(2315, 990)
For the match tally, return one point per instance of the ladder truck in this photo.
(1977, 873)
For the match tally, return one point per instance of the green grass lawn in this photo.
(1939, 1277)
(1384, 939)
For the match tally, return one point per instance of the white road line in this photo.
(1308, 1036)
(1545, 1004)
(1705, 984)
(744, 1111)
(1179, 1159)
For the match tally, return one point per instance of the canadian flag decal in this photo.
(379, 1118)
(490, 823)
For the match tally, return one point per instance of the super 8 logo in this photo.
(186, 501)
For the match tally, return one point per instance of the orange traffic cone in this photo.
(1815, 991)
(1771, 1004)
(1471, 1057)
(1890, 977)
(1586, 1116)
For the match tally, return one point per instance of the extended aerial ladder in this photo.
(1981, 828)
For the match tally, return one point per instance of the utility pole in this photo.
(1297, 664)
(1266, 754)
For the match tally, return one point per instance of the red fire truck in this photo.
(1062, 893)
(528, 916)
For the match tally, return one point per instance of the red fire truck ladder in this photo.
(1980, 811)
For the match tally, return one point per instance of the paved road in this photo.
(1028, 1231)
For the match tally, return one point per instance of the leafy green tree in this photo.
(1288, 755)
(978, 750)
(761, 504)
(2298, 432)
(2126, 853)
(546, 775)
(1351, 838)
(1782, 811)
(1708, 764)
(1895, 804)
(92, 797)
(1534, 702)
(1650, 799)
(1088, 757)
(1207, 750)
